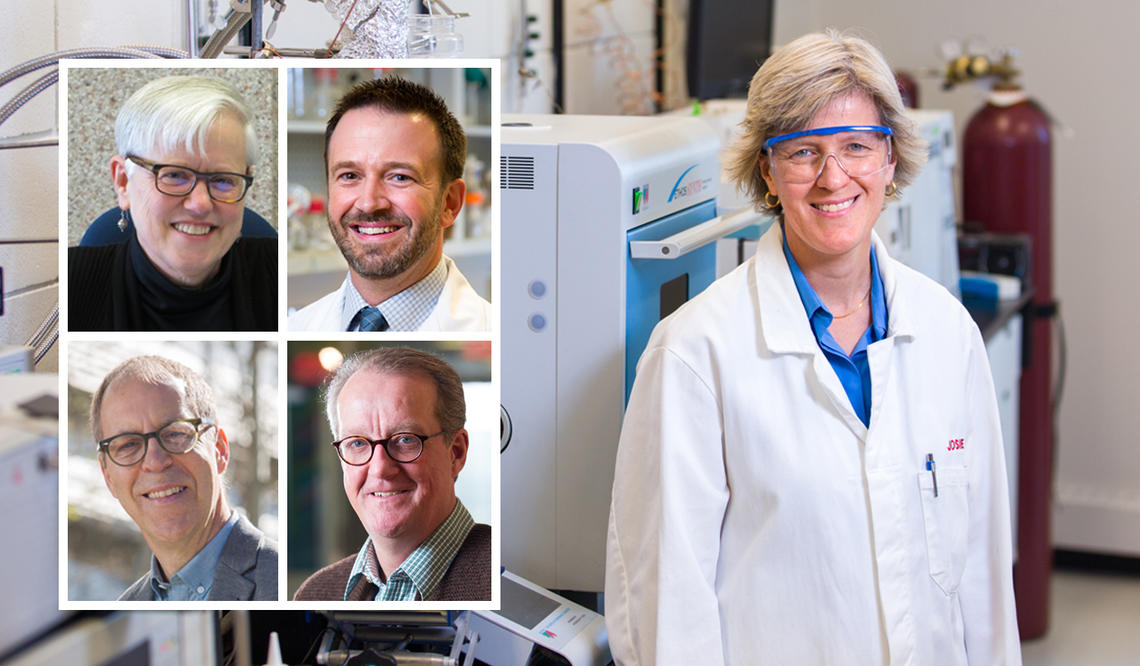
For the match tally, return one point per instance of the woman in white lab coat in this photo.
(773, 501)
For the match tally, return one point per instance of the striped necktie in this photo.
(372, 320)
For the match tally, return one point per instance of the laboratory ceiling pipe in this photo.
(1007, 186)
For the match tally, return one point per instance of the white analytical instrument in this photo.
(607, 226)
(530, 616)
(29, 493)
(919, 226)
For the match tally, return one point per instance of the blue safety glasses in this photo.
(860, 150)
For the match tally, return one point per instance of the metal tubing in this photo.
(22, 97)
(43, 350)
(142, 51)
(223, 36)
(47, 323)
(192, 28)
(30, 140)
(255, 36)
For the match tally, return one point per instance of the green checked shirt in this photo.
(418, 576)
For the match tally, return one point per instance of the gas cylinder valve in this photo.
(968, 66)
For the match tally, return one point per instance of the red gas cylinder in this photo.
(1007, 175)
(1007, 186)
(908, 88)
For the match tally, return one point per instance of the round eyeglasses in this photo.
(860, 150)
(402, 447)
(176, 437)
(180, 181)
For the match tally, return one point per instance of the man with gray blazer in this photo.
(162, 454)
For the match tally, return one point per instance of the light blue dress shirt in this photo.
(405, 311)
(193, 581)
(853, 371)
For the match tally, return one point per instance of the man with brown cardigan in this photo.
(398, 416)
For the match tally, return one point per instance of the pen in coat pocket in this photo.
(933, 476)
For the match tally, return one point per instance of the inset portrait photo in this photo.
(171, 472)
(393, 459)
(171, 176)
(390, 215)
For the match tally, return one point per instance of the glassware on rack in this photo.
(297, 96)
(433, 36)
(298, 202)
(476, 203)
(324, 92)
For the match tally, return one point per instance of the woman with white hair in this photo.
(185, 149)
(811, 467)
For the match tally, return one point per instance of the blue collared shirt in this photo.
(405, 311)
(419, 575)
(193, 581)
(853, 371)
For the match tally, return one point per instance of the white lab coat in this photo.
(756, 520)
(459, 308)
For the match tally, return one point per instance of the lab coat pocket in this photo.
(947, 521)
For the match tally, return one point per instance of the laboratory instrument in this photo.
(386, 637)
(530, 621)
(161, 638)
(531, 616)
(919, 225)
(578, 307)
(29, 460)
(366, 29)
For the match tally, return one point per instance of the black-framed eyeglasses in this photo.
(180, 181)
(402, 447)
(176, 437)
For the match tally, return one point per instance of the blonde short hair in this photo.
(797, 82)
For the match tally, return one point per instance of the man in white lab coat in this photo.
(394, 157)
(795, 486)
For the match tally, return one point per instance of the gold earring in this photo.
(892, 189)
(768, 201)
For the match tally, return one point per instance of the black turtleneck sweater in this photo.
(117, 288)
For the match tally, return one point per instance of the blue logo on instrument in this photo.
(688, 189)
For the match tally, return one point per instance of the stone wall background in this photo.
(93, 100)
